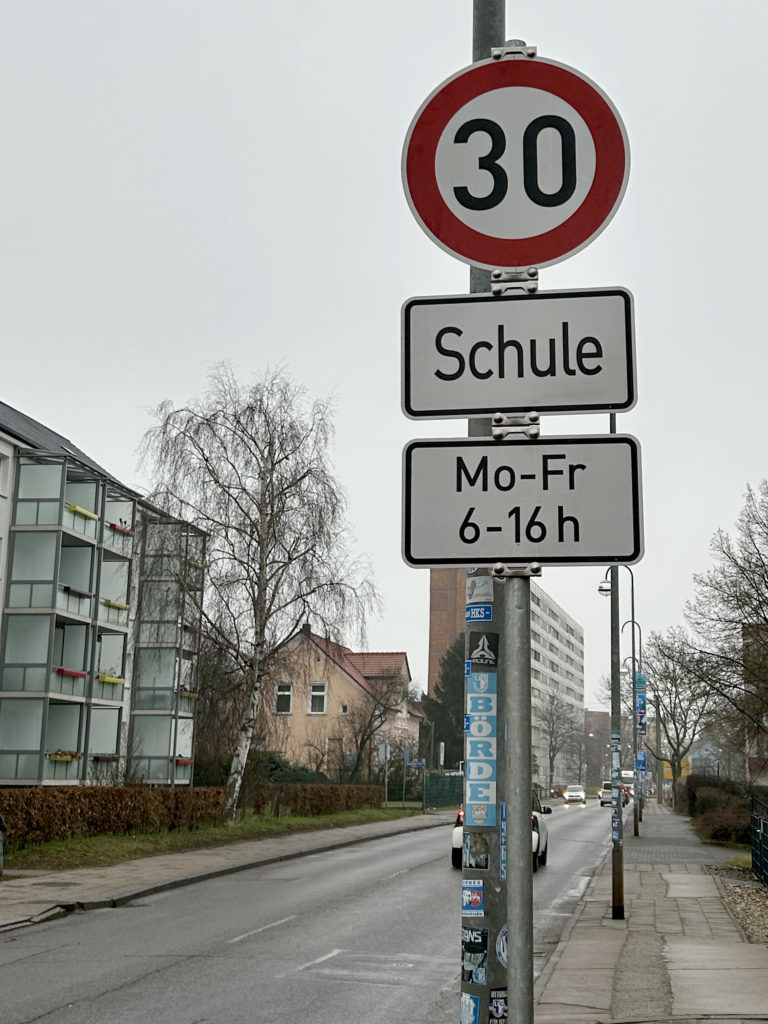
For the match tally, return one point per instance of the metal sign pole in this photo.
(483, 976)
(516, 716)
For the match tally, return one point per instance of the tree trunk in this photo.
(240, 757)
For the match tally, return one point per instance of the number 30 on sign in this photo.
(515, 162)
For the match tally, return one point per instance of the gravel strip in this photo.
(746, 898)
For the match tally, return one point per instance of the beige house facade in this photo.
(329, 707)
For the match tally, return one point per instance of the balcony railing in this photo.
(72, 599)
(115, 613)
(80, 520)
(69, 682)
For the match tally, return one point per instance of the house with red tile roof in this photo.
(330, 707)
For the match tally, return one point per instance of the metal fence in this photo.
(760, 839)
(443, 790)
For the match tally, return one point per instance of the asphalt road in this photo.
(364, 933)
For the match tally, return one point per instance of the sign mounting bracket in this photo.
(526, 424)
(501, 573)
(513, 48)
(505, 281)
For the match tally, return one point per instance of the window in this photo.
(283, 698)
(317, 696)
(345, 709)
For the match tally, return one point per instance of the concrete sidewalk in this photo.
(678, 955)
(29, 897)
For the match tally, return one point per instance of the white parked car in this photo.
(539, 837)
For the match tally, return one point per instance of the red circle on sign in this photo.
(584, 224)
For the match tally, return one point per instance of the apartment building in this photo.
(557, 655)
(99, 620)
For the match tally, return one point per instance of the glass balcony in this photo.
(23, 678)
(184, 766)
(153, 699)
(80, 520)
(19, 765)
(106, 687)
(62, 765)
(76, 602)
(68, 682)
(151, 769)
(30, 595)
(37, 513)
(114, 613)
(118, 538)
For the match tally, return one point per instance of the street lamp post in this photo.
(637, 665)
(611, 589)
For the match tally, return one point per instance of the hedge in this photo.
(314, 798)
(40, 815)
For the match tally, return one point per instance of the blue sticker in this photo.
(483, 812)
(478, 613)
(502, 841)
(470, 1009)
(472, 904)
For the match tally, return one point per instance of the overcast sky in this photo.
(186, 181)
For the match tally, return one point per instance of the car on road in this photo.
(605, 794)
(478, 858)
(575, 795)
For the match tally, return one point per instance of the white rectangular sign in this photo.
(557, 501)
(552, 352)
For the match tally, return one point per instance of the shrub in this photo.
(710, 797)
(44, 814)
(314, 798)
(728, 823)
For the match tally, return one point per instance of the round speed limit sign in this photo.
(515, 162)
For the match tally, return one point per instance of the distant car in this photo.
(557, 791)
(605, 794)
(539, 837)
(575, 795)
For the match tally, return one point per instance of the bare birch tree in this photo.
(249, 464)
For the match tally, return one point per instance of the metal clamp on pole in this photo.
(502, 573)
(513, 48)
(504, 281)
(526, 424)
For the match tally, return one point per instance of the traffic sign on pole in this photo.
(556, 501)
(515, 162)
(552, 352)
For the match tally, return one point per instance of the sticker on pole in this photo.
(515, 162)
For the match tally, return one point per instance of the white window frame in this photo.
(284, 689)
(314, 691)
